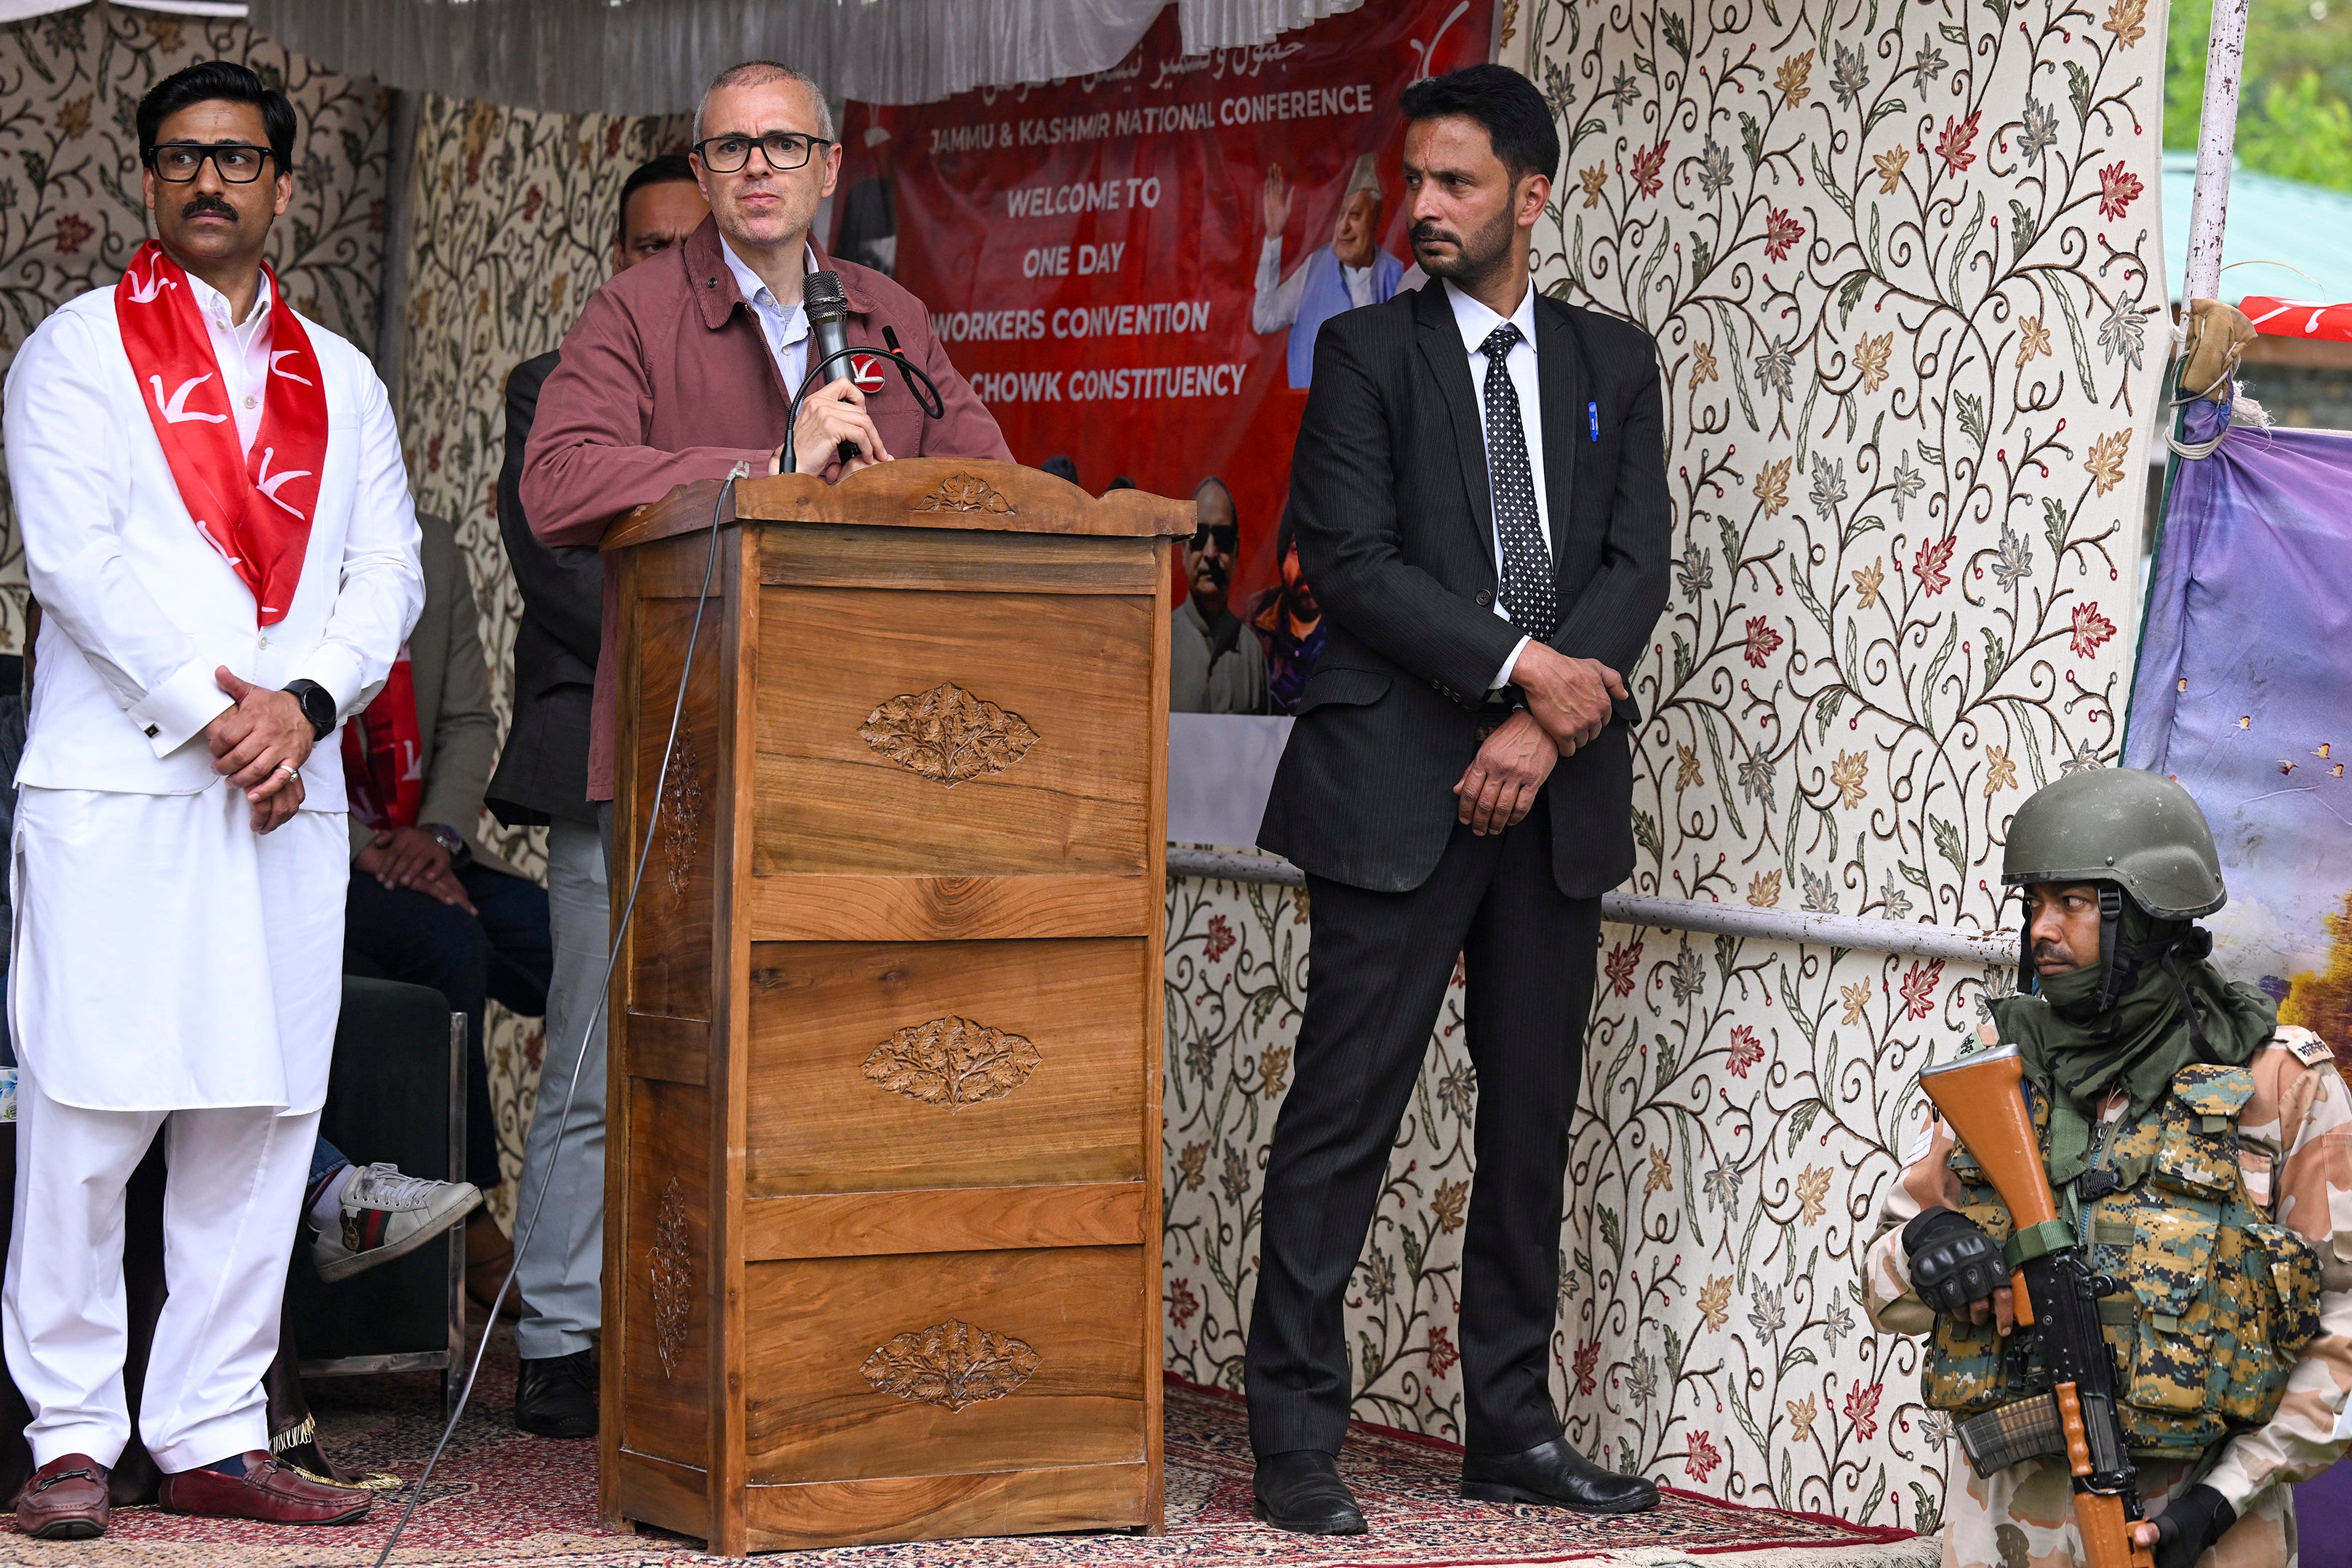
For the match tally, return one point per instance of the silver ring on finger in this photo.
(289, 770)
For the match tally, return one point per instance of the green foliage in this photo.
(2302, 133)
(2295, 118)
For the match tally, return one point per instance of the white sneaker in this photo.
(387, 1216)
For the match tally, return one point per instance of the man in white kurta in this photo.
(178, 945)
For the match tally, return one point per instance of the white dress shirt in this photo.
(1477, 320)
(243, 350)
(139, 609)
(784, 324)
(1275, 305)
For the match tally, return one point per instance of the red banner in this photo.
(1091, 250)
(2297, 318)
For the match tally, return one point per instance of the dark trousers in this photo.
(1376, 980)
(503, 952)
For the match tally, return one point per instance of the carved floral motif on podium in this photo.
(952, 1363)
(967, 492)
(671, 1264)
(947, 734)
(681, 809)
(953, 1062)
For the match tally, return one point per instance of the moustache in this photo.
(1426, 231)
(208, 204)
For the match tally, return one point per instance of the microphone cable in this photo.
(926, 395)
(604, 999)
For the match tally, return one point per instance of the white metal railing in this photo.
(1677, 914)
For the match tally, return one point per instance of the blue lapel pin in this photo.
(1592, 420)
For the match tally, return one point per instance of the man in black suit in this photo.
(542, 778)
(1479, 495)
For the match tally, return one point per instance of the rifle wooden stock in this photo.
(2101, 1518)
(2105, 1530)
(1979, 1097)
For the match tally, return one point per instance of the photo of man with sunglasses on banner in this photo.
(1215, 664)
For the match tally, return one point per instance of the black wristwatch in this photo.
(317, 705)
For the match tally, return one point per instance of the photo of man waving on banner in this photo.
(1132, 266)
(1351, 271)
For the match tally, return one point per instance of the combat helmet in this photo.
(2131, 833)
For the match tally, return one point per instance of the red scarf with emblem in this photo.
(254, 508)
(383, 759)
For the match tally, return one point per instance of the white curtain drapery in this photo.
(22, 10)
(651, 57)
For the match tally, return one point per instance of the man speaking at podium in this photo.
(1479, 498)
(679, 369)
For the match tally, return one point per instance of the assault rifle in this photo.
(2071, 1409)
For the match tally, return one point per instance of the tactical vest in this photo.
(2214, 1303)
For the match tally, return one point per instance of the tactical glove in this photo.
(2197, 1518)
(1953, 1262)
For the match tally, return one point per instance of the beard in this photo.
(1476, 255)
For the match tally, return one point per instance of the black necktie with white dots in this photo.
(1528, 592)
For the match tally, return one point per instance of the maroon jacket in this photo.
(665, 379)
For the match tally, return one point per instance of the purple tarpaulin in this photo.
(2244, 694)
(2244, 687)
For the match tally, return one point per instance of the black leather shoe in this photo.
(555, 1397)
(1301, 1492)
(1553, 1474)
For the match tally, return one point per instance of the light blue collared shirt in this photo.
(784, 324)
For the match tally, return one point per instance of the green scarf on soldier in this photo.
(2075, 1055)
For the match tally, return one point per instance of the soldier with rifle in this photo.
(2135, 1274)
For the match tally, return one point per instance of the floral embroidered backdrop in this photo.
(1740, 1105)
(1898, 258)
(514, 214)
(70, 208)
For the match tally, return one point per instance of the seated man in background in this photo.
(363, 1217)
(543, 781)
(1290, 625)
(1215, 662)
(428, 904)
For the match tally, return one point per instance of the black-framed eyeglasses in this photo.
(783, 150)
(1226, 536)
(177, 162)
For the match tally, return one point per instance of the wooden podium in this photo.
(882, 1182)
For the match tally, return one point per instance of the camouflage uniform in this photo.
(2295, 1156)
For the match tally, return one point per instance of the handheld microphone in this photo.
(828, 319)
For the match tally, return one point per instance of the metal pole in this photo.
(1678, 914)
(2225, 61)
(399, 226)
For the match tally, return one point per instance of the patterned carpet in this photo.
(500, 1496)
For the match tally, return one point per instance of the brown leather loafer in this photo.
(65, 1499)
(270, 1491)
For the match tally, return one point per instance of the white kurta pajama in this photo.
(170, 967)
